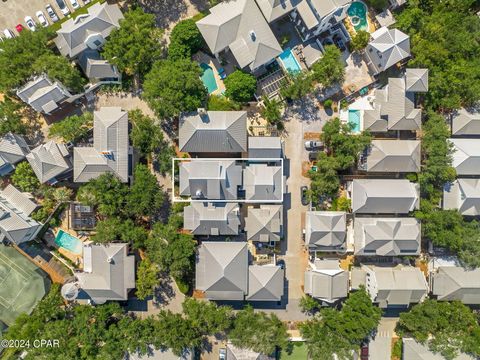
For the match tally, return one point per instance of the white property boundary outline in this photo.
(260, 160)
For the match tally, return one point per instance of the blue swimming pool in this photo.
(208, 78)
(354, 120)
(358, 15)
(289, 62)
(69, 242)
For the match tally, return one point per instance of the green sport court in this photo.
(22, 285)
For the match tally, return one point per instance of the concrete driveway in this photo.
(380, 348)
(13, 12)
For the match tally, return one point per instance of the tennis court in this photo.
(22, 284)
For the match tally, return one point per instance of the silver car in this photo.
(51, 13)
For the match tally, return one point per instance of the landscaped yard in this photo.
(299, 352)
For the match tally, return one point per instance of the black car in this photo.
(312, 156)
(304, 192)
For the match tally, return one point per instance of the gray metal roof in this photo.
(49, 160)
(463, 195)
(413, 350)
(212, 218)
(274, 9)
(13, 149)
(263, 182)
(240, 26)
(15, 209)
(265, 283)
(416, 80)
(210, 179)
(466, 156)
(312, 53)
(95, 67)
(265, 223)
(110, 147)
(384, 196)
(325, 230)
(456, 283)
(222, 270)
(399, 286)
(326, 281)
(399, 107)
(393, 156)
(264, 147)
(108, 272)
(43, 94)
(387, 236)
(308, 16)
(79, 34)
(386, 48)
(214, 131)
(466, 122)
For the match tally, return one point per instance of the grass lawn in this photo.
(299, 352)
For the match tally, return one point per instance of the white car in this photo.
(30, 23)
(63, 7)
(9, 34)
(51, 13)
(75, 4)
(41, 18)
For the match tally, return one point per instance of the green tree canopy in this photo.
(446, 327)
(113, 229)
(272, 111)
(185, 40)
(297, 85)
(172, 87)
(61, 69)
(258, 331)
(29, 54)
(11, 117)
(360, 40)
(240, 86)
(147, 279)
(208, 317)
(146, 135)
(106, 192)
(338, 332)
(437, 150)
(136, 44)
(329, 70)
(379, 5)
(72, 128)
(444, 38)
(24, 178)
(145, 196)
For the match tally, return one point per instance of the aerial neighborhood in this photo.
(240, 179)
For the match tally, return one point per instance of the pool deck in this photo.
(201, 57)
(370, 22)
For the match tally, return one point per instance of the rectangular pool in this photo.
(69, 242)
(289, 61)
(354, 120)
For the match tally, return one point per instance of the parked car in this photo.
(41, 18)
(312, 156)
(63, 7)
(364, 352)
(30, 23)
(222, 354)
(9, 34)
(86, 2)
(51, 13)
(340, 44)
(19, 28)
(304, 191)
(75, 4)
(312, 145)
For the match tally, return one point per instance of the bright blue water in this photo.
(354, 120)
(289, 61)
(208, 78)
(69, 242)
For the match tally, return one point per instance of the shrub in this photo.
(240, 86)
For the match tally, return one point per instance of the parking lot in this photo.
(13, 12)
